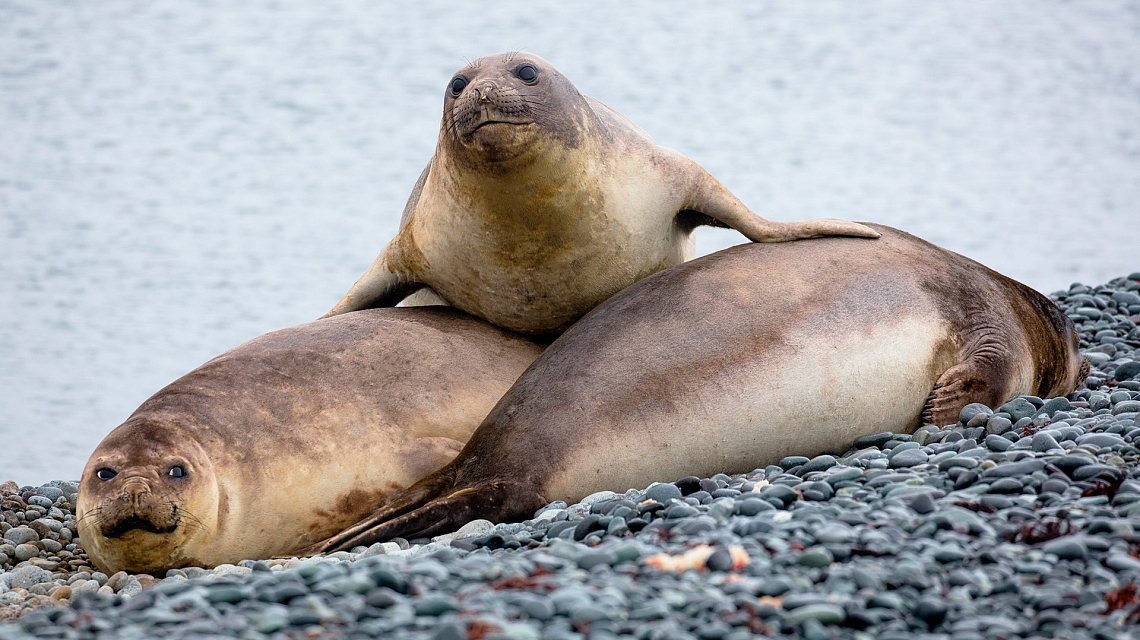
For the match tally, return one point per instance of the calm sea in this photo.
(179, 177)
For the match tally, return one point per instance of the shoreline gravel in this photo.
(1019, 521)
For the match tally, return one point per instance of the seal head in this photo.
(495, 111)
(146, 495)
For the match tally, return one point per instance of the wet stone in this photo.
(973, 410)
(1066, 548)
(874, 440)
(663, 492)
(818, 463)
(909, 458)
(824, 613)
(791, 462)
(1043, 442)
(1127, 371)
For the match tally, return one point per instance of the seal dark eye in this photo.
(457, 85)
(105, 474)
(527, 73)
(176, 472)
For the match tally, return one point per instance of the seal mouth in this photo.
(135, 523)
(490, 122)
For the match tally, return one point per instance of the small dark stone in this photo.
(585, 526)
(554, 531)
(636, 524)
(818, 463)
(1015, 469)
(1069, 464)
(690, 484)
(1108, 472)
(709, 485)
(678, 511)
(931, 609)
(592, 559)
(1127, 371)
(874, 440)
(453, 630)
(382, 597)
(791, 462)
(922, 503)
(970, 411)
(720, 560)
(968, 477)
(1006, 485)
(663, 492)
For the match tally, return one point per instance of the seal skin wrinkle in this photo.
(291, 437)
(539, 203)
(844, 338)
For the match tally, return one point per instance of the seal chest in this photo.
(540, 203)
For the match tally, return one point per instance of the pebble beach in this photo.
(1019, 521)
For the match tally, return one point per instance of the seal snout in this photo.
(135, 492)
(134, 506)
(483, 92)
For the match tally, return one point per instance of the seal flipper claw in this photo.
(962, 384)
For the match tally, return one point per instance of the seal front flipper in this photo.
(382, 285)
(711, 198)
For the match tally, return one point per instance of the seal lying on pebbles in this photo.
(291, 437)
(843, 339)
(540, 203)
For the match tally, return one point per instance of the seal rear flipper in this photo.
(971, 381)
(409, 499)
(496, 501)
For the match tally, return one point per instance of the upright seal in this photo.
(540, 203)
(291, 437)
(697, 370)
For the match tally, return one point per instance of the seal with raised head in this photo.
(540, 203)
(698, 370)
(291, 437)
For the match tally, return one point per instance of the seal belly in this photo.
(805, 398)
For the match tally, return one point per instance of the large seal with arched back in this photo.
(540, 203)
(696, 370)
(291, 437)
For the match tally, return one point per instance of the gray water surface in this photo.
(179, 177)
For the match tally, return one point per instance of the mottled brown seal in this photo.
(540, 203)
(291, 437)
(740, 358)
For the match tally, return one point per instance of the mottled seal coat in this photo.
(540, 203)
(291, 437)
(735, 360)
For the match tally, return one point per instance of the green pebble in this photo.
(816, 557)
(825, 613)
